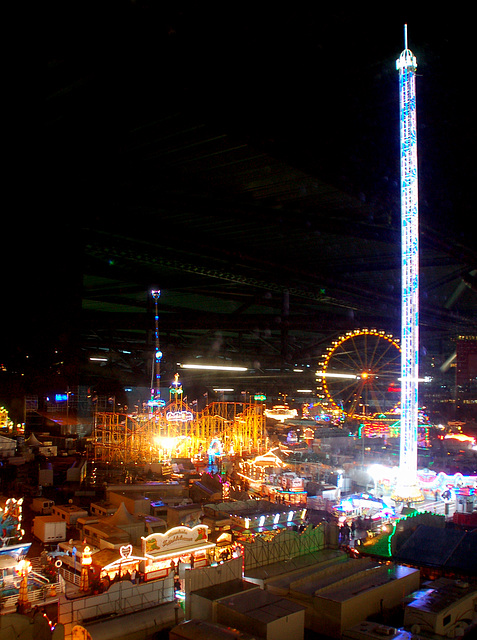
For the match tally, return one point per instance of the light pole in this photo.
(85, 565)
(24, 604)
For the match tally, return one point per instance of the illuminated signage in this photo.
(156, 403)
(176, 538)
(179, 416)
(126, 558)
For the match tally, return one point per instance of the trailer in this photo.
(42, 506)
(49, 529)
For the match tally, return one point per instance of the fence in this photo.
(35, 596)
(121, 598)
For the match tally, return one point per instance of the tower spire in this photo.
(156, 367)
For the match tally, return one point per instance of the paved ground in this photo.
(440, 507)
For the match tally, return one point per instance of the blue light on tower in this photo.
(407, 484)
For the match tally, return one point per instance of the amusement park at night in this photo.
(242, 401)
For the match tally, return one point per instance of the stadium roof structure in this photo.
(247, 166)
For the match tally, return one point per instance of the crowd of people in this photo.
(356, 530)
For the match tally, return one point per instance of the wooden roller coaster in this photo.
(177, 431)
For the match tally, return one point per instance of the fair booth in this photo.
(165, 552)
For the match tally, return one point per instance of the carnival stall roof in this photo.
(366, 504)
(7, 447)
(7, 561)
(121, 517)
(18, 551)
(451, 549)
(153, 524)
(106, 534)
(122, 526)
(32, 441)
(251, 508)
(105, 557)
(272, 458)
(76, 548)
(256, 516)
(200, 491)
(126, 558)
(176, 541)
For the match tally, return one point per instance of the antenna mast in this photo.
(156, 367)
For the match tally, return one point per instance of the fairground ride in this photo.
(359, 373)
(176, 431)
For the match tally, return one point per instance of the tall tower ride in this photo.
(406, 488)
(156, 367)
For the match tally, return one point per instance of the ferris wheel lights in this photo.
(359, 363)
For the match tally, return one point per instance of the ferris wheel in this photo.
(360, 371)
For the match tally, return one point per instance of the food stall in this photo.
(164, 552)
(118, 565)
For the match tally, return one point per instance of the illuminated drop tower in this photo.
(407, 489)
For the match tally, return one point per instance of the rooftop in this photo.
(225, 589)
(262, 605)
(452, 549)
(443, 594)
(364, 580)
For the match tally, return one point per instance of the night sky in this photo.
(317, 85)
(314, 85)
